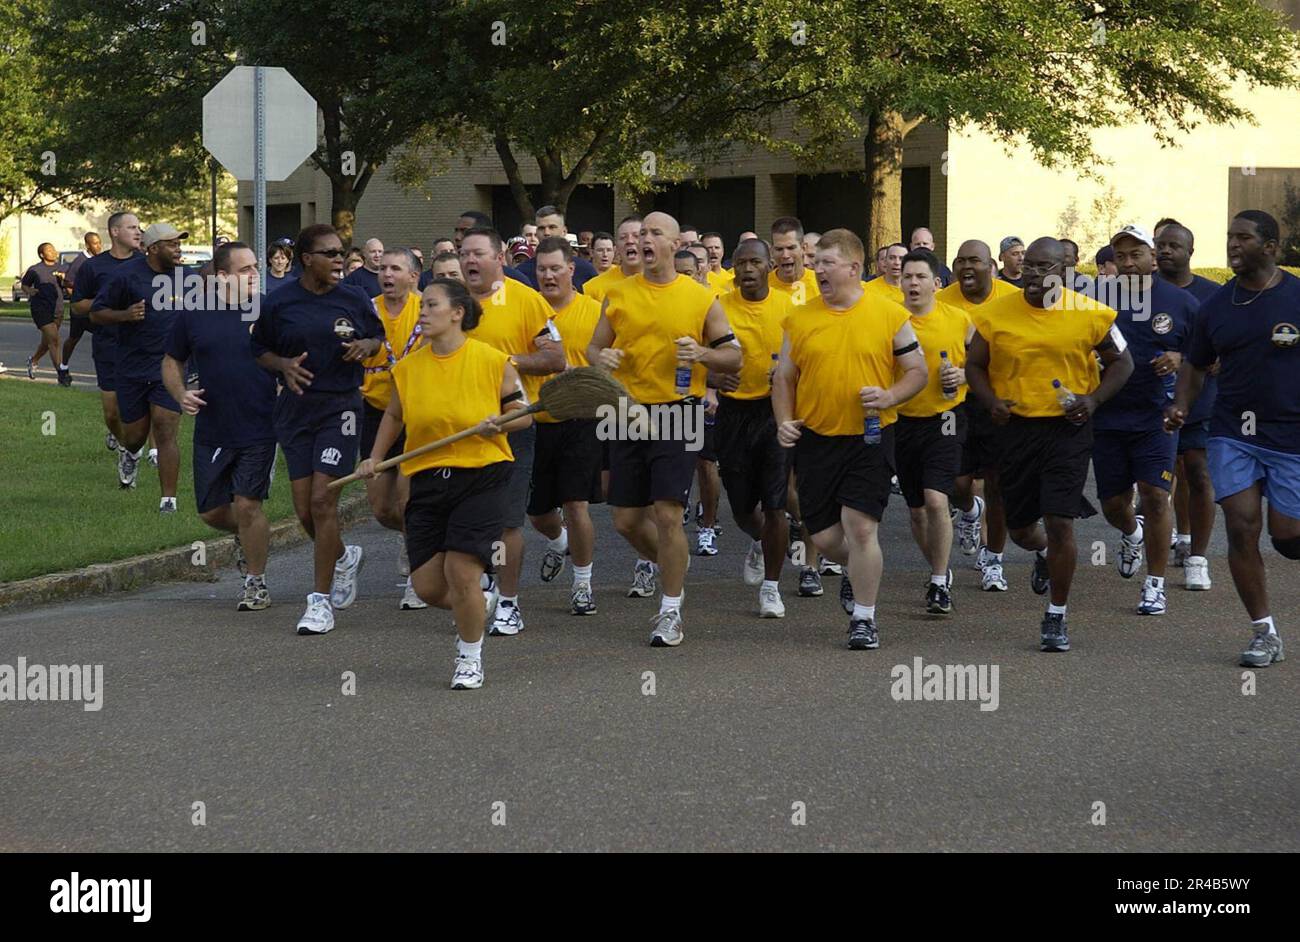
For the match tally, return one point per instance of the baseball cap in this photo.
(1008, 242)
(161, 232)
(1135, 232)
(519, 246)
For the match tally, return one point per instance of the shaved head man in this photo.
(367, 276)
(923, 238)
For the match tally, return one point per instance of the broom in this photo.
(576, 393)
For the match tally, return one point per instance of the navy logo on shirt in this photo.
(1162, 323)
(344, 329)
(1285, 335)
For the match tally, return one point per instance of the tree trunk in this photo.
(343, 207)
(514, 177)
(883, 156)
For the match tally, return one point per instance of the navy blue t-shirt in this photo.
(366, 280)
(1258, 345)
(272, 282)
(1201, 289)
(1160, 320)
(296, 321)
(70, 276)
(92, 276)
(140, 344)
(240, 395)
(583, 272)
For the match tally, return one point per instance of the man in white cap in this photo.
(142, 298)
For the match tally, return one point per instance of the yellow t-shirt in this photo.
(576, 322)
(952, 294)
(1029, 347)
(442, 395)
(598, 287)
(513, 317)
(400, 338)
(839, 352)
(647, 319)
(721, 281)
(884, 289)
(797, 294)
(943, 329)
(758, 325)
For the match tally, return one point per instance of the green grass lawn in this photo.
(62, 506)
(15, 309)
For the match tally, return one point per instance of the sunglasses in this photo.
(328, 253)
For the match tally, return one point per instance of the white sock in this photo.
(1266, 620)
(152, 452)
(993, 557)
(670, 603)
(756, 546)
(1135, 537)
(770, 584)
(509, 600)
(970, 516)
(1157, 582)
(861, 612)
(1183, 538)
(472, 649)
(1055, 609)
(560, 543)
(63, 368)
(167, 502)
(939, 579)
(582, 574)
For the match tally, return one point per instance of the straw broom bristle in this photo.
(578, 393)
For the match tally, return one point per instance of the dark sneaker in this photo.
(1041, 580)
(938, 600)
(552, 564)
(863, 635)
(65, 377)
(1052, 633)
(810, 584)
(846, 595)
(31, 368)
(1265, 648)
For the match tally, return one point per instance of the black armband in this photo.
(725, 338)
(517, 394)
(1106, 344)
(914, 345)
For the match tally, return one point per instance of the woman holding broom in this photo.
(457, 505)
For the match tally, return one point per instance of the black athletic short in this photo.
(833, 472)
(710, 450)
(41, 316)
(1042, 469)
(566, 465)
(370, 419)
(642, 472)
(460, 510)
(979, 451)
(222, 474)
(927, 454)
(752, 464)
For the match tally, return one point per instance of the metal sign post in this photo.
(259, 169)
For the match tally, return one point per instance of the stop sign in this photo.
(229, 112)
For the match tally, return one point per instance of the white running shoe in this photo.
(153, 457)
(343, 591)
(770, 604)
(1129, 558)
(319, 617)
(991, 578)
(110, 441)
(411, 601)
(981, 557)
(667, 631)
(1153, 600)
(1196, 574)
(643, 580)
(491, 594)
(507, 620)
(754, 570)
(706, 542)
(1179, 552)
(829, 567)
(403, 561)
(468, 674)
(968, 530)
(128, 467)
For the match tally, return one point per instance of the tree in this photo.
(142, 68)
(1290, 225)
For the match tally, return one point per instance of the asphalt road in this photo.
(18, 340)
(750, 721)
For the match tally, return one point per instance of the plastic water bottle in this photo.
(1063, 395)
(949, 392)
(871, 427)
(683, 381)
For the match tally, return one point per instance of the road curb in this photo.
(173, 565)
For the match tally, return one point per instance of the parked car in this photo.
(16, 293)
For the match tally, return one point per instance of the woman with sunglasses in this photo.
(315, 333)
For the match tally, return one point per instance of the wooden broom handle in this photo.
(427, 447)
